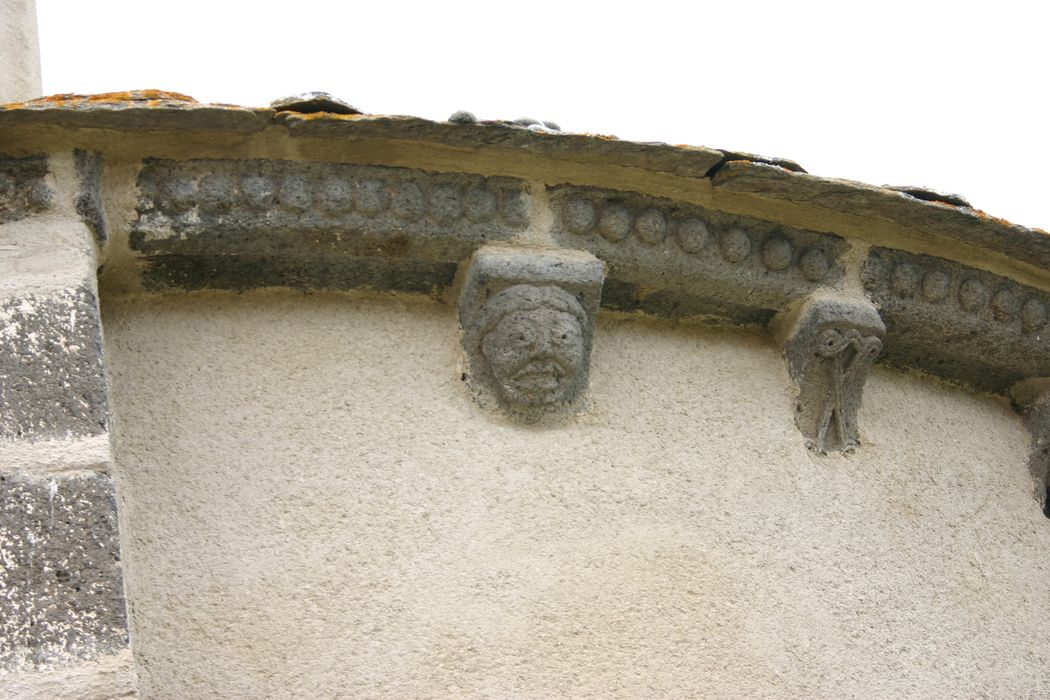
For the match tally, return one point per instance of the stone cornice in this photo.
(211, 196)
(773, 190)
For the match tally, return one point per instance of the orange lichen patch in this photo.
(600, 137)
(139, 98)
(995, 219)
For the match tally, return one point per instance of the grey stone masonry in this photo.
(62, 607)
(676, 260)
(61, 591)
(958, 322)
(23, 189)
(51, 375)
(243, 223)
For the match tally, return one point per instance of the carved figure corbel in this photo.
(528, 323)
(1031, 398)
(830, 343)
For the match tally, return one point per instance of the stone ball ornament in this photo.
(528, 323)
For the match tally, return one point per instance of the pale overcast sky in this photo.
(948, 95)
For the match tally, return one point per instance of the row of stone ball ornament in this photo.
(615, 221)
(907, 280)
(528, 324)
(406, 198)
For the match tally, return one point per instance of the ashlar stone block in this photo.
(52, 383)
(61, 590)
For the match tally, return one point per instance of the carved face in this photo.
(536, 356)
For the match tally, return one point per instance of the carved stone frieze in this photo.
(958, 322)
(675, 259)
(199, 219)
(830, 344)
(23, 188)
(528, 322)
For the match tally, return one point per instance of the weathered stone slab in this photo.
(301, 215)
(51, 375)
(937, 218)
(61, 591)
(684, 161)
(313, 103)
(677, 260)
(958, 322)
(134, 110)
(23, 190)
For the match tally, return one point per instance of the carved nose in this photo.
(544, 341)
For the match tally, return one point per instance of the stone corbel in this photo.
(1031, 398)
(830, 343)
(528, 324)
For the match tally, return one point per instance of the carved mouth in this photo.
(544, 371)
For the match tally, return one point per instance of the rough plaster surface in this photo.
(313, 506)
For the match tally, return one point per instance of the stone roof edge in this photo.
(775, 189)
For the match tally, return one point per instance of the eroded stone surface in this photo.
(23, 190)
(959, 322)
(528, 322)
(61, 593)
(51, 375)
(673, 259)
(685, 161)
(273, 216)
(830, 344)
(89, 197)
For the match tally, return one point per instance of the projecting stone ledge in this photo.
(936, 224)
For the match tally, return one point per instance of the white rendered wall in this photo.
(312, 506)
(19, 51)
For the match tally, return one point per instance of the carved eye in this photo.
(564, 336)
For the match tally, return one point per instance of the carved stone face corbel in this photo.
(830, 343)
(528, 321)
(1031, 398)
